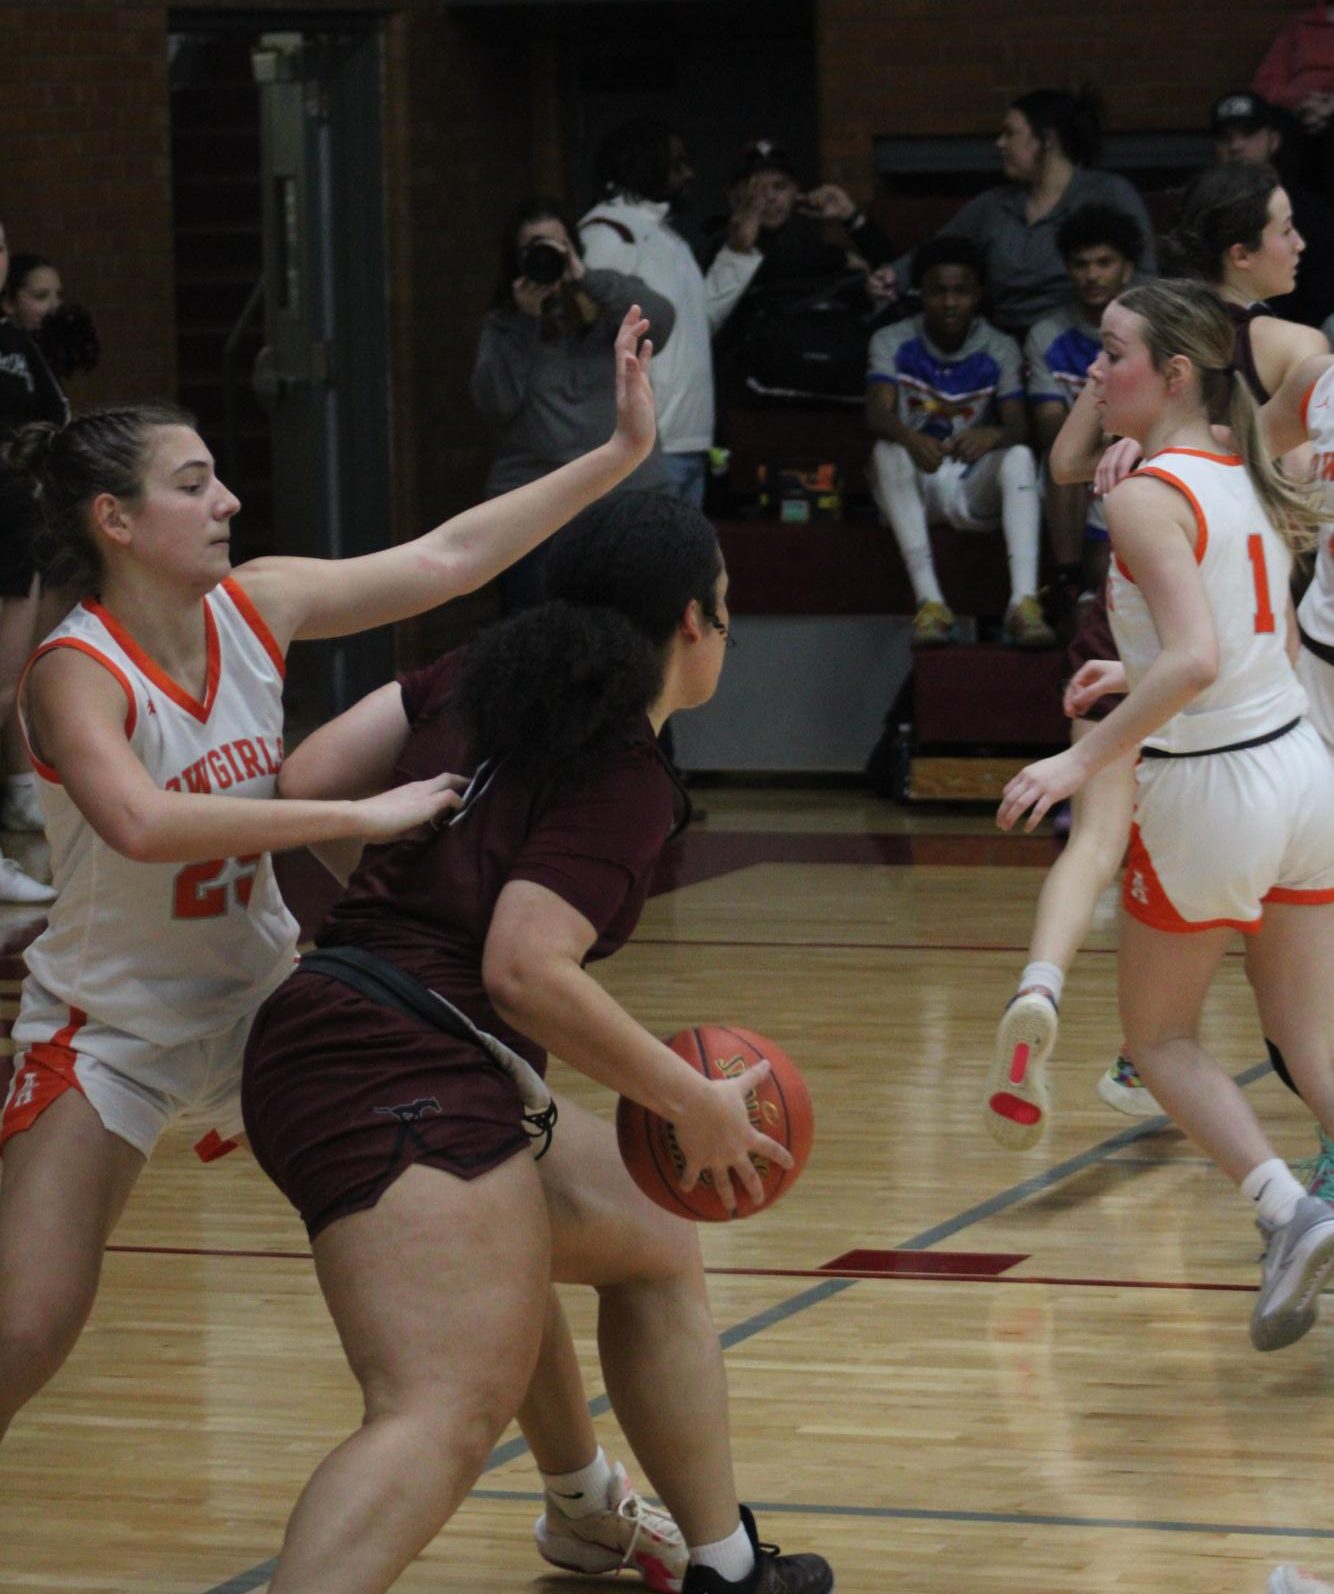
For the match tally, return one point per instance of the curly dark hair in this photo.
(551, 686)
(1093, 226)
(949, 249)
(105, 451)
(1224, 205)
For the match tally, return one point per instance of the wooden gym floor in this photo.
(1036, 1379)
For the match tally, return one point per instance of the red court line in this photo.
(761, 1272)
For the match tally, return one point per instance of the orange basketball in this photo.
(780, 1107)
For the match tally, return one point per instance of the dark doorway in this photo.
(282, 332)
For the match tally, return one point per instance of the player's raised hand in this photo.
(636, 414)
(1117, 462)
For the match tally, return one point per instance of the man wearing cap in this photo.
(1248, 129)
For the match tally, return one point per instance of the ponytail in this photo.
(1074, 120)
(1187, 318)
(106, 451)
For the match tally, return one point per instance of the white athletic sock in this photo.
(1021, 520)
(899, 494)
(1273, 1190)
(1048, 975)
(20, 783)
(733, 1558)
(583, 1492)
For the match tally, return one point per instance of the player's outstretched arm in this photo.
(1153, 533)
(306, 598)
(76, 717)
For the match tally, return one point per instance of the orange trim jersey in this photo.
(171, 952)
(1245, 566)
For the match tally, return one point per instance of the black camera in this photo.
(542, 262)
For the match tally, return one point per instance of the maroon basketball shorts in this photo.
(340, 1094)
(1093, 640)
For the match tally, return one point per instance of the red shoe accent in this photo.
(1011, 1107)
(1019, 1064)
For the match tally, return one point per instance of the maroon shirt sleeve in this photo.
(423, 688)
(595, 845)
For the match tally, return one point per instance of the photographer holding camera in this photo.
(544, 366)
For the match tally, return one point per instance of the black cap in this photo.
(1252, 110)
(762, 155)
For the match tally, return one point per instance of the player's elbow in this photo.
(1199, 664)
(515, 975)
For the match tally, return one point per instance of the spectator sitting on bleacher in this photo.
(802, 325)
(1101, 247)
(1248, 130)
(1298, 73)
(644, 170)
(1049, 142)
(945, 398)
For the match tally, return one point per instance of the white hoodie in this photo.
(634, 236)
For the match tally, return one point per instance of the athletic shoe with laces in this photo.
(775, 1573)
(17, 885)
(1317, 1173)
(630, 1532)
(1296, 1580)
(1122, 1088)
(1017, 1100)
(1298, 1258)
(933, 625)
(19, 808)
(1026, 626)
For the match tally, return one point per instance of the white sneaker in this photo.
(1298, 1258)
(1293, 1580)
(1017, 1096)
(16, 885)
(1122, 1088)
(630, 1532)
(20, 809)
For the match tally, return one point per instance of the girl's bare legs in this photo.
(63, 1186)
(1017, 1097)
(658, 1345)
(1288, 964)
(1163, 980)
(439, 1293)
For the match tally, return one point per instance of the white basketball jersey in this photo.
(1317, 607)
(170, 952)
(1245, 566)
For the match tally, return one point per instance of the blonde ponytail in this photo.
(1188, 318)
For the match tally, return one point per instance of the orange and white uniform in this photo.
(141, 988)
(1315, 617)
(1235, 801)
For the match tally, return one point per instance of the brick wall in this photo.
(83, 126)
(952, 66)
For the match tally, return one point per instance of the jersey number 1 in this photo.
(198, 895)
(1264, 613)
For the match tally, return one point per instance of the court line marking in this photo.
(512, 1449)
(1009, 1518)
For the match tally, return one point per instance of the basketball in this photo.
(780, 1107)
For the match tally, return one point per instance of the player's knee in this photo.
(37, 1333)
(892, 464)
(1018, 467)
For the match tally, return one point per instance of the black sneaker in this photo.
(774, 1573)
